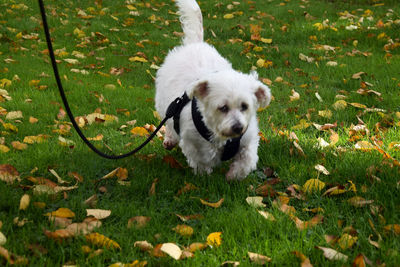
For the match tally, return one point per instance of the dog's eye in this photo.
(244, 107)
(224, 109)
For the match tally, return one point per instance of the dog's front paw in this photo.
(237, 173)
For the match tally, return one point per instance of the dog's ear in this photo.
(199, 89)
(263, 95)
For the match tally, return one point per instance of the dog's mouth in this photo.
(231, 134)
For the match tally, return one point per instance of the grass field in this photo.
(334, 70)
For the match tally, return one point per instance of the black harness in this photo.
(232, 145)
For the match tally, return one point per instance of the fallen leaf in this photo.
(268, 216)
(172, 250)
(359, 261)
(152, 190)
(137, 59)
(359, 202)
(12, 258)
(24, 202)
(256, 202)
(59, 235)
(4, 149)
(59, 179)
(3, 239)
(102, 241)
(13, 115)
(305, 262)
(172, 162)
(85, 227)
(186, 218)
(197, 246)
(258, 258)
(138, 221)
(325, 113)
(346, 241)
(332, 254)
(321, 169)
(214, 239)
(230, 263)
(18, 145)
(392, 228)
(303, 225)
(358, 75)
(339, 105)
(61, 212)
(187, 188)
(313, 185)
(143, 245)
(98, 213)
(184, 230)
(295, 96)
(9, 174)
(213, 205)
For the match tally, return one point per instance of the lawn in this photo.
(329, 169)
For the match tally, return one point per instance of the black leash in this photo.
(173, 108)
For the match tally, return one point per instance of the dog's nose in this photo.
(237, 128)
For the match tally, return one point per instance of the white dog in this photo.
(224, 102)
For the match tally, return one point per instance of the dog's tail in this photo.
(191, 20)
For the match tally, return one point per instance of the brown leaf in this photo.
(152, 190)
(213, 205)
(76, 176)
(143, 245)
(197, 246)
(303, 225)
(359, 201)
(85, 227)
(359, 261)
(157, 252)
(392, 228)
(305, 262)
(59, 234)
(122, 174)
(187, 188)
(138, 222)
(258, 258)
(9, 174)
(265, 190)
(172, 162)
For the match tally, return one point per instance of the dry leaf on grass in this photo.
(303, 225)
(143, 245)
(98, 213)
(258, 258)
(138, 221)
(256, 202)
(187, 188)
(184, 230)
(197, 246)
(186, 218)
(230, 263)
(213, 205)
(24, 202)
(346, 241)
(214, 239)
(61, 212)
(359, 202)
(332, 254)
(9, 174)
(3, 239)
(172, 250)
(313, 185)
(101, 241)
(305, 262)
(268, 216)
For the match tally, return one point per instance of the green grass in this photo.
(243, 228)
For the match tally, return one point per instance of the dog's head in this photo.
(228, 100)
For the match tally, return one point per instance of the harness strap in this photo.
(232, 145)
(184, 100)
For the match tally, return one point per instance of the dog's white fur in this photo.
(227, 99)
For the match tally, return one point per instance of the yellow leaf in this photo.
(10, 127)
(339, 105)
(346, 241)
(24, 202)
(305, 262)
(255, 202)
(312, 185)
(325, 113)
(392, 228)
(101, 241)
(140, 131)
(138, 59)
(5, 83)
(61, 212)
(3, 239)
(213, 205)
(303, 124)
(138, 221)
(295, 96)
(260, 63)
(228, 16)
(183, 230)
(266, 40)
(35, 139)
(268, 216)
(131, 7)
(4, 149)
(358, 105)
(364, 146)
(214, 239)
(34, 82)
